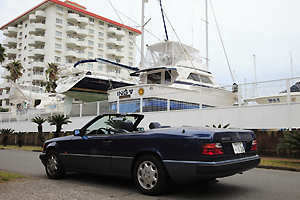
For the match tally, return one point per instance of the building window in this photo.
(80, 51)
(70, 36)
(57, 46)
(118, 70)
(131, 44)
(100, 67)
(101, 23)
(130, 64)
(59, 9)
(90, 66)
(20, 34)
(70, 49)
(91, 20)
(130, 34)
(100, 56)
(109, 25)
(91, 31)
(100, 46)
(100, 34)
(90, 54)
(70, 24)
(19, 56)
(69, 61)
(58, 21)
(91, 43)
(57, 59)
(20, 45)
(58, 34)
(130, 54)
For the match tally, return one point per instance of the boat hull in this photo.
(279, 98)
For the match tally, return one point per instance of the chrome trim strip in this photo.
(100, 156)
(218, 163)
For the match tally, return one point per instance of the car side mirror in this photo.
(77, 132)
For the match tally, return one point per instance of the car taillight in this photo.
(44, 147)
(212, 149)
(254, 145)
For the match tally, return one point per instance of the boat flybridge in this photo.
(173, 78)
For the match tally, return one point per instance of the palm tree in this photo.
(19, 136)
(6, 132)
(52, 76)
(39, 121)
(290, 141)
(115, 124)
(15, 70)
(58, 121)
(2, 54)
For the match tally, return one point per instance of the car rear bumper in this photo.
(190, 170)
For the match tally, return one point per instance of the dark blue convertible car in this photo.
(113, 144)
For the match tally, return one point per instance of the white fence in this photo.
(274, 115)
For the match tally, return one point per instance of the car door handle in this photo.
(107, 142)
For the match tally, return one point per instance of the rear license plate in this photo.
(238, 147)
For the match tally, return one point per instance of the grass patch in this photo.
(22, 148)
(279, 163)
(5, 177)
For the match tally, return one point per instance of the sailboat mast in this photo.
(142, 30)
(206, 32)
(291, 60)
(255, 81)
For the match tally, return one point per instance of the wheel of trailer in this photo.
(150, 175)
(54, 168)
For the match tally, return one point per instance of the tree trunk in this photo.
(58, 129)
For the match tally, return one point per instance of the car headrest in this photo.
(154, 125)
(128, 126)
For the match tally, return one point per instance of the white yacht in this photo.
(173, 78)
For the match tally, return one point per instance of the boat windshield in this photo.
(169, 53)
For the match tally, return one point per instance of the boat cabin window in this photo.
(195, 77)
(154, 78)
(168, 76)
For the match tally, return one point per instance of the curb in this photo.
(21, 149)
(278, 168)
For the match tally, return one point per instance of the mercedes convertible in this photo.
(114, 144)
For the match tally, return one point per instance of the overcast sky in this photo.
(270, 29)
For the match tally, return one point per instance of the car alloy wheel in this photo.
(150, 175)
(147, 175)
(54, 168)
(52, 164)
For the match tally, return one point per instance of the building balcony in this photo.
(72, 54)
(71, 41)
(119, 55)
(120, 33)
(39, 65)
(82, 44)
(111, 41)
(32, 18)
(82, 32)
(72, 29)
(12, 30)
(39, 40)
(72, 17)
(31, 42)
(38, 77)
(120, 44)
(39, 27)
(39, 52)
(111, 52)
(39, 14)
(111, 30)
(4, 95)
(11, 52)
(5, 32)
(30, 54)
(10, 41)
(83, 21)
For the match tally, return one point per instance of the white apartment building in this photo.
(64, 33)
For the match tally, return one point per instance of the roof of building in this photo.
(76, 7)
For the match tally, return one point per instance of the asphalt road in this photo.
(253, 184)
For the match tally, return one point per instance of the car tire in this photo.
(150, 175)
(54, 168)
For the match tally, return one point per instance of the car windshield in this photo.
(109, 124)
